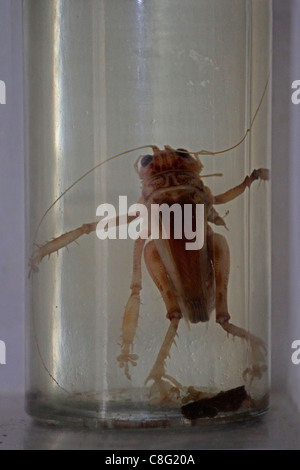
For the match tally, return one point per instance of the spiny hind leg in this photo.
(221, 257)
(67, 238)
(58, 243)
(132, 309)
(165, 388)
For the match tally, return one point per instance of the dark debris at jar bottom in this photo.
(224, 402)
(202, 408)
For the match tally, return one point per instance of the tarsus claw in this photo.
(124, 359)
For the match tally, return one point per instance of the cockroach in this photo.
(192, 283)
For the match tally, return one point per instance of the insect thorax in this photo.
(171, 181)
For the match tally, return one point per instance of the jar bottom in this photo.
(91, 411)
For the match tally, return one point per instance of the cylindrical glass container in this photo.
(125, 332)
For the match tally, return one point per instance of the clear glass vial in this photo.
(107, 78)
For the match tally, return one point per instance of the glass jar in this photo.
(147, 332)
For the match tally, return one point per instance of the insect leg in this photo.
(131, 315)
(222, 265)
(218, 246)
(57, 243)
(65, 239)
(262, 174)
(165, 386)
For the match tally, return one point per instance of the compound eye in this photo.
(146, 159)
(182, 153)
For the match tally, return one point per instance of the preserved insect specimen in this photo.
(192, 283)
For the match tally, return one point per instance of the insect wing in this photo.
(190, 271)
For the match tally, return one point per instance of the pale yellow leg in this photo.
(65, 239)
(222, 265)
(261, 173)
(165, 388)
(132, 309)
(57, 243)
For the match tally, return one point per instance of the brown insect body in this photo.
(192, 283)
(173, 178)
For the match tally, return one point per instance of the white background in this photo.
(285, 187)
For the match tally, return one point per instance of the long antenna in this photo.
(83, 176)
(197, 153)
(208, 152)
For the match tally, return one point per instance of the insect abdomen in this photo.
(195, 281)
(190, 270)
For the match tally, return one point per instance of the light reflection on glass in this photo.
(58, 117)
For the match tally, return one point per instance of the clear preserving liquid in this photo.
(101, 78)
